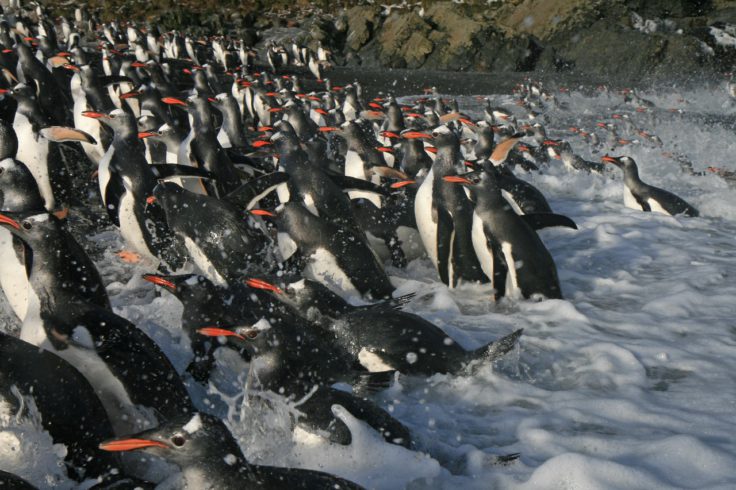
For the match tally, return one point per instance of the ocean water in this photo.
(629, 382)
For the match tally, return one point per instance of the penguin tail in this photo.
(496, 349)
(370, 383)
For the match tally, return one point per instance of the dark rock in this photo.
(361, 24)
(404, 40)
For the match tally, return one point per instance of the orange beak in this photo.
(413, 135)
(262, 212)
(173, 101)
(219, 332)
(403, 183)
(146, 134)
(260, 284)
(9, 221)
(130, 444)
(94, 115)
(609, 159)
(159, 281)
(328, 129)
(260, 144)
(456, 179)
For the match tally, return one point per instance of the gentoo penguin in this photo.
(219, 239)
(504, 242)
(101, 345)
(206, 152)
(292, 360)
(210, 458)
(68, 406)
(38, 149)
(444, 216)
(644, 197)
(18, 193)
(126, 180)
(55, 262)
(335, 255)
(382, 336)
(14, 482)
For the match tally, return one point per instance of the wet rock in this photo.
(361, 24)
(403, 40)
(544, 19)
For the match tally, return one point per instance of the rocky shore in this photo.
(635, 40)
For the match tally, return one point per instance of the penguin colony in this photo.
(260, 201)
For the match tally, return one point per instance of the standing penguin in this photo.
(18, 193)
(444, 216)
(645, 197)
(504, 242)
(334, 254)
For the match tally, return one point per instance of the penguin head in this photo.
(444, 137)
(188, 440)
(257, 339)
(33, 227)
(624, 163)
(18, 188)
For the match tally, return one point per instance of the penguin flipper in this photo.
(369, 383)
(642, 202)
(445, 229)
(248, 194)
(113, 193)
(352, 183)
(168, 170)
(391, 304)
(496, 349)
(538, 221)
(113, 80)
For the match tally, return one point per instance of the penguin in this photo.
(125, 181)
(59, 263)
(68, 406)
(207, 152)
(14, 482)
(37, 148)
(18, 193)
(210, 458)
(382, 336)
(645, 197)
(507, 248)
(444, 216)
(217, 236)
(101, 345)
(291, 359)
(335, 255)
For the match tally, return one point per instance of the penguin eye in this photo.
(178, 440)
(27, 225)
(250, 333)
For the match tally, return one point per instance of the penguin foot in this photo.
(129, 257)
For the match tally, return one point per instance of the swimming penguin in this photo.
(14, 482)
(644, 197)
(335, 255)
(444, 216)
(101, 345)
(217, 235)
(382, 336)
(210, 458)
(294, 360)
(69, 408)
(505, 243)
